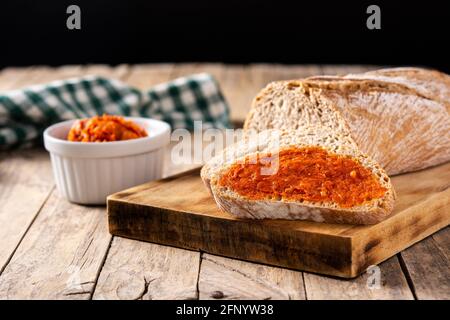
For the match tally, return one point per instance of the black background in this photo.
(167, 309)
(233, 31)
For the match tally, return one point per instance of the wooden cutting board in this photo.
(179, 211)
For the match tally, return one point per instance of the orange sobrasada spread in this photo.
(305, 174)
(105, 128)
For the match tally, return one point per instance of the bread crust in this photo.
(400, 117)
(265, 209)
(241, 207)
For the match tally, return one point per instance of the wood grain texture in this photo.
(191, 219)
(237, 83)
(11, 78)
(60, 255)
(120, 72)
(391, 284)
(428, 266)
(262, 74)
(139, 270)
(25, 176)
(340, 70)
(43, 74)
(442, 239)
(146, 271)
(239, 90)
(111, 285)
(63, 250)
(224, 278)
(25, 183)
(423, 199)
(145, 76)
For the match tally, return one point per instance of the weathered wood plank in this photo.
(442, 239)
(147, 75)
(233, 81)
(421, 277)
(60, 255)
(428, 266)
(224, 278)
(120, 72)
(391, 285)
(139, 270)
(15, 78)
(185, 69)
(10, 78)
(191, 219)
(340, 70)
(237, 87)
(144, 271)
(394, 271)
(25, 175)
(262, 74)
(25, 183)
(44, 74)
(215, 69)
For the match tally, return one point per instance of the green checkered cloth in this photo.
(25, 113)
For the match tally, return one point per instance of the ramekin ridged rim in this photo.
(158, 136)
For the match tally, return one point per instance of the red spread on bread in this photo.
(304, 174)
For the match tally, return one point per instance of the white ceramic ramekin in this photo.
(87, 172)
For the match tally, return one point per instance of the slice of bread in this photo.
(271, 142)
(400, 117)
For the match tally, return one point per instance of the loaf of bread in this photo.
(311, 173)
(400, 117)
(330, 137)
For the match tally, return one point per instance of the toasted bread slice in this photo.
(271, 143)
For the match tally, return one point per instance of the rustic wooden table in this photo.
(52, 249)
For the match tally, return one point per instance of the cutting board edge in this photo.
(403, 232)
(395, 234)
(325, 261)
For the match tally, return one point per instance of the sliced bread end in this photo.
(367, 213)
